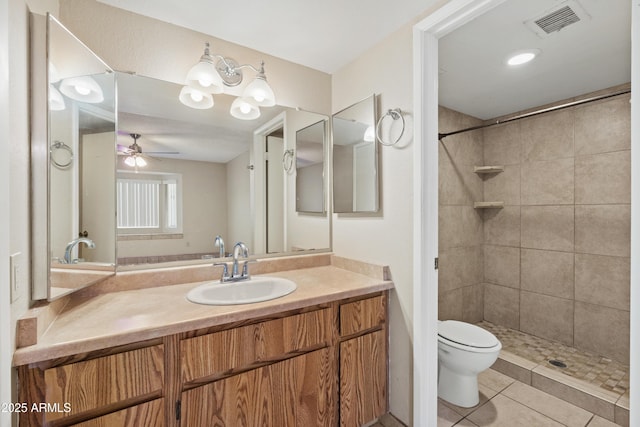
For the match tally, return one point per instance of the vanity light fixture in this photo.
(195, 98)
(56, 100)
(522, 56)
(369, 134)
(83, 89)
(207, 78)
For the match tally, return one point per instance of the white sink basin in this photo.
(256, 289)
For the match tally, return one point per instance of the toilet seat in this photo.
(466, 336)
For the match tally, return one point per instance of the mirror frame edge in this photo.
(38, 82)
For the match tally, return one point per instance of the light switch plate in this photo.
(15, 268)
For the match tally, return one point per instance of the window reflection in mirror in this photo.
(355, 158)
(310, 195)
(81, 136)
(229, 172)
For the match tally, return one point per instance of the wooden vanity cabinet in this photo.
(125, 382)
(363, 361)
(324, 365)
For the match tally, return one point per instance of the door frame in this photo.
(426, 33)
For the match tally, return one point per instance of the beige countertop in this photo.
(118, 318)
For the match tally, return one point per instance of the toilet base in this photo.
(456, 388)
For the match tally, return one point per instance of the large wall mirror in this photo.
(210, 175)
(73, 163)
(310, 168)
(355, 159)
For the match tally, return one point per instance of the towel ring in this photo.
(57, 145)
(287, 160)
(395, 114)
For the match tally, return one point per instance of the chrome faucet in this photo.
(239, 249)
(72, 244)
(219, 243)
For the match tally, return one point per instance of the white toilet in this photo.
(464, 350)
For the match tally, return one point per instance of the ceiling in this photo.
(592, 54)
(323, 35)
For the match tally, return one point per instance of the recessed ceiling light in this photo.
(522, 56)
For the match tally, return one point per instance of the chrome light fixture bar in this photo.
(207, 78)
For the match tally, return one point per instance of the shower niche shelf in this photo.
(488, 205)
(488, 169)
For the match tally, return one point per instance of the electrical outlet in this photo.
(15, 269)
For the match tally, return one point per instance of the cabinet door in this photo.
(363, 379)
(150, 414)
(105, 383)
(300, 391)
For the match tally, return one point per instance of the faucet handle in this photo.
(245, 267)
(225, 270)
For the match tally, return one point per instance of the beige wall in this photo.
(386, 238)
(239, 223)
(556, 259)
(460, 225)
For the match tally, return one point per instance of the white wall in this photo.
(386, 238)
(6, 342)
(239, 223)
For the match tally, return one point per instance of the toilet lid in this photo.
(466, 334)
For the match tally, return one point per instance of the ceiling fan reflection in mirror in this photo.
(135, 158)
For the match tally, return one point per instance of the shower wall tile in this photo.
(548, 182)
(501, 305)
(549, 273)
(459, 267)
(473, 303)
(604, 178)
(450, 305)
(602, 330)
(604, 126)
(458, 185)
(548, 136)
(503, 186)
(502, 226)
(603, 280)
(547, 317)
(502, 265)
(548, 227)
(459, 226)
(502, 144)
(603, 229)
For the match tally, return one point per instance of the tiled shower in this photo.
(554, 261)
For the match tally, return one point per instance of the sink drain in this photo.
(558, 363)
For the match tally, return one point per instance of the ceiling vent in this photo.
(554, 20)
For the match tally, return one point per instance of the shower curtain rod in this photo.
(535, 113)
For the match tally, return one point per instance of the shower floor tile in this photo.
(599, 371)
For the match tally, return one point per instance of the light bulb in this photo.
(196, 96)
(245, 108)
(205, 81)
(130, 161)
(259, 96)
(141, 162)
(82, 90)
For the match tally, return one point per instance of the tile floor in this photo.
(600, 371)
(506, 402)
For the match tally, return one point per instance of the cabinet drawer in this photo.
(222, 353)
(150, 414)
(114, 379)
(361, 315)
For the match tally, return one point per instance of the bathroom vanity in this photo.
(149, 357)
